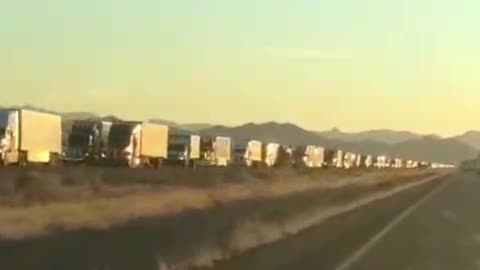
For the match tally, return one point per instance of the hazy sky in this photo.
(358, 64)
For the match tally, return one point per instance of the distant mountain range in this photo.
(403, 144)
(409, 145)
(380, 135)
(471, 138)
(190, 127)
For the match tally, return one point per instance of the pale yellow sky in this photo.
(356, 66)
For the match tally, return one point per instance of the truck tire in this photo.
(192, 163)
(54, 160)
(3, 160)
(160, 162)
(22, 159)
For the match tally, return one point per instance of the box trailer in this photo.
(338, 159)
(368, 161)
(277, 155)
(223, 151)
(360, 161)
(254, 155)
(194, 147)
(138, 144)
(28, 136)
(382, 162)
(314, 156)
(398, 163)
(349, 160)
(411, 164)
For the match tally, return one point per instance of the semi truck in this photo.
(349, 160)
(87, 141)
(215, 151)
(411, 164)
(239, 152)
(183, 148)
(137, 144)
(207, 151)
(382, 162)
(424, 165)
(28, 136)
(314, 156)
(338, 159)
(299, 156)
(369, 161)
(278, 155)
(360, 161)
(223, 151)
(329, 159)
(398, 163)
(249, 152)
(254, 154)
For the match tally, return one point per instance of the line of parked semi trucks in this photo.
(28, 136)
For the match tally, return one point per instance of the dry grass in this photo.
(41, 201)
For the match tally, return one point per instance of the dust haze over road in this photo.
(270, 208)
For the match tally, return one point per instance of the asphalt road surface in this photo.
(434, 226)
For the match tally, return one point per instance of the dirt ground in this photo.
(178, 218)
(36, 201)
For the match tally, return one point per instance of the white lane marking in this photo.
(350, 261)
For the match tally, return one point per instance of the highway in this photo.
(434, 226)
(431, 226)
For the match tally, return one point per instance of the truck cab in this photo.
(123, 144)
(240, 152)
(88, 141)
(183, 148)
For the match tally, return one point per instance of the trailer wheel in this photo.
(54, 160)
(22, 159)
(157, 163)
(4, 161)
(160, 163)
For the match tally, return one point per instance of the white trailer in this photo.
(349, 160)
(314, 156)
(368, 161)
(254, 153)
(138, 144)
(153, 140)
(360, 159)
(411, 164)
(338, 160)
(398, 163)
(223, 151)
(277, 155)
(194, 147)
(272, 154)
(29, 137)
(382, 162)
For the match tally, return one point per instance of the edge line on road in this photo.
(350, 261)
